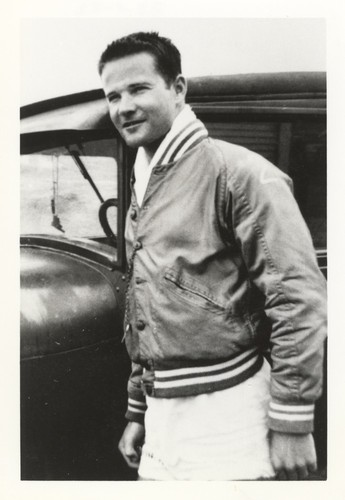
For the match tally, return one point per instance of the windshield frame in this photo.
(34, 142)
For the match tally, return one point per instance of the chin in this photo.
(131, 141)
(143, 141)
(133, 144)
(136, 142)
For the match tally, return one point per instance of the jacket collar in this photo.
(186, 132)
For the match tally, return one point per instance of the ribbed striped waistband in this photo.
(191, 381)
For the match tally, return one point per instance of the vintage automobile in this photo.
(74, 195)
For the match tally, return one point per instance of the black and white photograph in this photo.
(173, 206)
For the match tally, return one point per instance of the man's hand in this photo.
(131, 442)
(293, 456)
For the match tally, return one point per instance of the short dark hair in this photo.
(166, 55)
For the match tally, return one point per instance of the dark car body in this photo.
(74, 367)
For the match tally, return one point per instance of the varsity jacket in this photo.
(221, 266)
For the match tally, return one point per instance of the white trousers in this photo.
(218, 436)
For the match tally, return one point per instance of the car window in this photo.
(307, 168)
(62, 189)
(298, 148)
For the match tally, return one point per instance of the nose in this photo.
(126, 105)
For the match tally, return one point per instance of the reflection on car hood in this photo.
(66, 303)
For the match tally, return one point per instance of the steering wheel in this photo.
(102, 214)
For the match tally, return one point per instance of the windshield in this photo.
(62, 189)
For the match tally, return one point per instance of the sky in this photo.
(59, 55)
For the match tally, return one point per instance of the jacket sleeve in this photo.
(278, 253)
(136, 399)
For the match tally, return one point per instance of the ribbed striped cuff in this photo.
(136, 410)
(292, 418)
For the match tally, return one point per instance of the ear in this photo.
(180, 86)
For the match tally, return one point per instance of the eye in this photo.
(139, 88)
(113, 98)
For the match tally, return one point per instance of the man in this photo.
(219, 261)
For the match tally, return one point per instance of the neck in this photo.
(151, 148)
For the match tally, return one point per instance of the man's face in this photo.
(142, 106)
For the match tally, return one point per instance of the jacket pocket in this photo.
(189, 289)
(193, 324)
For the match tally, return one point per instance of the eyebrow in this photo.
(140, 82)
(130, 87)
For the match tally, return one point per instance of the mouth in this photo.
(131, 124)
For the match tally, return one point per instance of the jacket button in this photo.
(133, 214)
(140, 324)
(138, 245)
